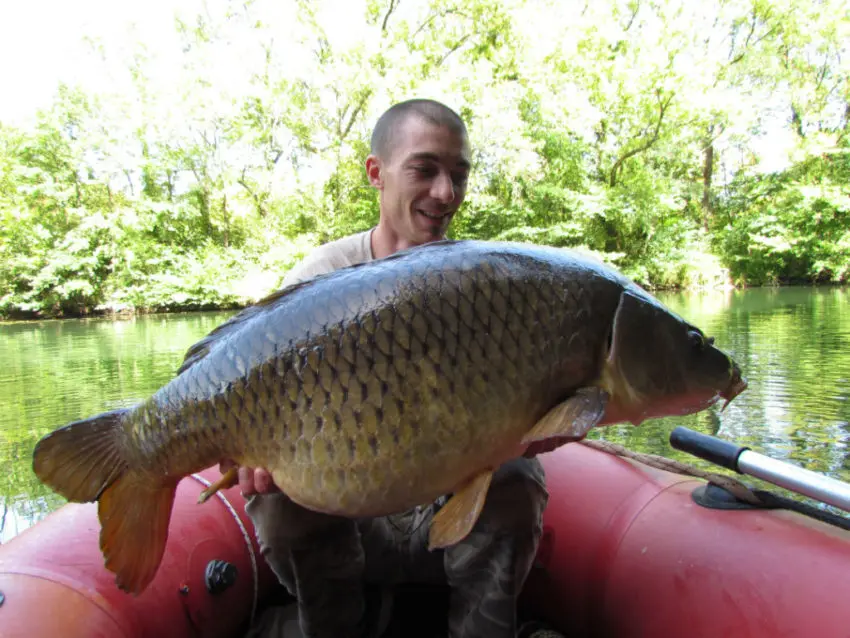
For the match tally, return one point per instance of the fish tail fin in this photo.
(134, 514)
(83, 462)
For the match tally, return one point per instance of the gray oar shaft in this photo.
(745, 461)
(805, 482)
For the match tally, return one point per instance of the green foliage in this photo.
(791, 227)
(632, 131)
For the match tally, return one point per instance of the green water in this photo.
(792, 343)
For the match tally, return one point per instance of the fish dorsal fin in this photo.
(202, 348)
(219, 334)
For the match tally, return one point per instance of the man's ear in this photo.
(373, 171)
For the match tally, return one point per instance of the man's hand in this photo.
(251, 480)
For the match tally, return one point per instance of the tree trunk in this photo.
(226, 234)
(707, 170)
(663, 105)
(204, 209)
(797, 121)
(170, 175)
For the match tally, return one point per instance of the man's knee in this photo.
(279, 520)
(294, 540)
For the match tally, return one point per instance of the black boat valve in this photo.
(219, 576)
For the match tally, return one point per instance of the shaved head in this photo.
(431, 111)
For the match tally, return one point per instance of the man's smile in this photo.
(434, 216)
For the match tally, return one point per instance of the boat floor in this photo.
(418, 611)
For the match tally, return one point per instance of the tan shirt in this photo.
(343, 252)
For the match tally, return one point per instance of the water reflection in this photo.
(54, 372)
(793, 345)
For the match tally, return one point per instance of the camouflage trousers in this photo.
(324, 561)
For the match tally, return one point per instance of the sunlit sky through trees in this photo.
(88, 42)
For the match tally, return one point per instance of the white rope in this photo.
(248, 542)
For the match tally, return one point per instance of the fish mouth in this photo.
(737, 384)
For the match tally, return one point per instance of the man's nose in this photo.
(443, 189)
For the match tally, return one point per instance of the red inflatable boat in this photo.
(627, 552)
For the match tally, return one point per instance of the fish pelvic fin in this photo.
(458, 516)
(134, 514)
(81, 459)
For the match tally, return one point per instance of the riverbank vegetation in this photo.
(687, 143)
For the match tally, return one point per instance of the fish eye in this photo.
(697, 340)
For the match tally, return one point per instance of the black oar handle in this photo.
(707, 447)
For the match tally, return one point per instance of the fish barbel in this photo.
(375, 388)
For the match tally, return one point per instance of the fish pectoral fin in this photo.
(457, 517)
(134, 516)
(225, 482)
(572, 418)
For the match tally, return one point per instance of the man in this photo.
(420, 163)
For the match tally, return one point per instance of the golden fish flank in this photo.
(380, 387)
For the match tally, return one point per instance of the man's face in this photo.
(422, 181)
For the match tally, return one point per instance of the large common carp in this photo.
(379, 387)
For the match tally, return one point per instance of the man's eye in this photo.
(460, 178)
(424, 170)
